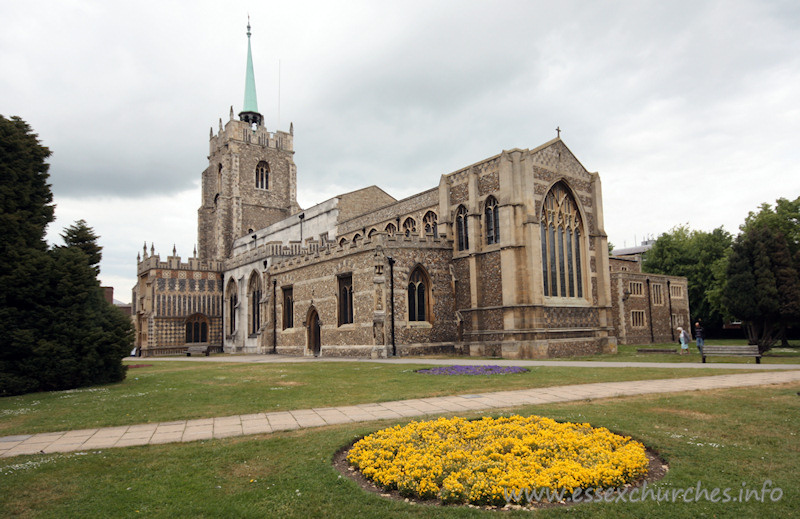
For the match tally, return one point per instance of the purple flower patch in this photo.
(473, 370)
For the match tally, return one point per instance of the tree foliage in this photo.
(696, 255)
(25, 197)
(763, 274)
(83, 237)
(56, 329)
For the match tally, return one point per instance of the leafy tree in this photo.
(83, 237)
(763, 286)
(784, 218)
(56, 329)
(696, 255)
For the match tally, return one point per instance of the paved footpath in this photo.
(260, 423)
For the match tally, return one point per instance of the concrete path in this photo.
(259, 423)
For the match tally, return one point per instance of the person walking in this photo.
(698, 336)
(684, 340)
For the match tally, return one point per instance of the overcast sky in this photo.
(690, 111)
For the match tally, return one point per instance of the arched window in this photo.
(391, 229)
(254, 306)
(356, 238)
(418, 286)
(430, 221)
(561, 231)
(262, 175)
(345, 299)
(410, 227)
(288, 307)
(372, 233)
(491, 221)
(342, 242)
(461, 228)
(196, 328)
(233, 302)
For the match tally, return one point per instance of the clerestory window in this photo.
(430, 221)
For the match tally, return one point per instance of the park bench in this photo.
(732, 351)
(197, 349)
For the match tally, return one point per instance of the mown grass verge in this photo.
(720, 438)
(167, 391)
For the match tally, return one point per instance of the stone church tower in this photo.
(251, 179)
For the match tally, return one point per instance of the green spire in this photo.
(250, 101)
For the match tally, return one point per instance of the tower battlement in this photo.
(246, 133)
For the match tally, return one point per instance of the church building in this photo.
(504, 257)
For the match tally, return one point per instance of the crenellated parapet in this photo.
(243, 132)
(153, 261)
(315, 251)
(273, 249)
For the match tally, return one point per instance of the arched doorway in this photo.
(314, 325)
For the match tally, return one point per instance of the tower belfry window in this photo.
(262, 175)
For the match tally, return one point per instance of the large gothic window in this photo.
(491, 221)
(410, 227)
(391, 229)
(262, 175)
(561, 232)
(196, 328)
(418, 287)
(430, 222)
(254, 295)
(345, 299)
(462, 233)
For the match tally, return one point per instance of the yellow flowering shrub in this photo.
(482, 461)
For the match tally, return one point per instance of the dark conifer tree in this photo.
(56, 329)
(83, 237)
(763, 288)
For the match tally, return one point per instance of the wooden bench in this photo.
(197, 349)
(732, 351)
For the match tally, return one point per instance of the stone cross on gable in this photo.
(558, 132)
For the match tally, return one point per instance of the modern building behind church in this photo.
(505, 257)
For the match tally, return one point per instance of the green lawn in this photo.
(720, 438)
(167, 391)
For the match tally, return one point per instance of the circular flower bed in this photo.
(483, 461)
(473, 370)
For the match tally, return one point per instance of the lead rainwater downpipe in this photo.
(274, 317)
